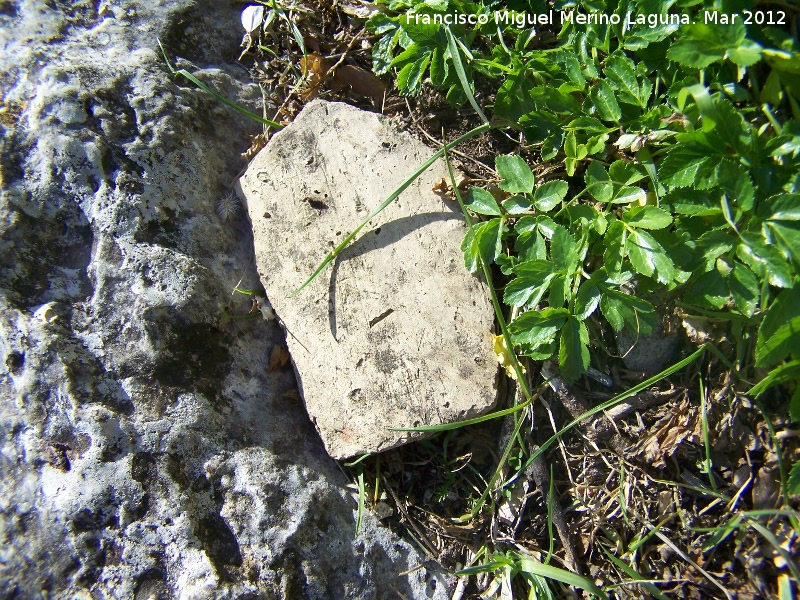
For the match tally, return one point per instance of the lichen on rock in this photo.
(145, 451)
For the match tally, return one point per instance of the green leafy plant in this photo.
(675, 178)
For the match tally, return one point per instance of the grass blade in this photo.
(217, 95)
(361, 495)
(455, 54)
(393, 196)
(617, 399)
(534, 567)
(459, 424)
(633, 574)
(707, 464)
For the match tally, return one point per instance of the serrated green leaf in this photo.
(602, 96)
(516, 205)
(712, 289)
(765, 260)
(486, 242)
(526, 224)
(701, 44)
(551, 145)
(547, 226)
(625, 172)
(571, 145)
(598, 183)
(548, 98)
(541, 352)
(439, 67)
(514, 96)
(779, 333)
(785, 341)
(595, 144)
(783, 207)
(469, 246)
(531, 246)
(550, 194)
(570, 164)
(428, 34)
(380, 23)
(648, 257)
(410, 54)
(586, 215)
(785, 235)
(532, 281)
(691, 202)
(482, 202)
(572, 67)
(737, 185)
(628, 194)
(587, 125)
(538, 327)
(621, 71)
(647, 217)
(383, 49)
(712, 245)
(744, 288)
(409, 79)
(517, 177)
(490, 240)
(557, 295)
(621, 309)
(732, 126)
(573, 351)
(691, 161)
(564, 251)
(614, 241)
(745, 54)
(587, 300)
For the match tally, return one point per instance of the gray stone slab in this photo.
(396, 333)
(145, 449)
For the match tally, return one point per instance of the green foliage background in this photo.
(678, 147)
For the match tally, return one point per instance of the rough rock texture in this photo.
(397, 333)
(648, 352)
(145, 451)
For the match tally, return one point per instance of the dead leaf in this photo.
(696, 329)
(677, 117)
(278, 358)
(442, 188)
(361, 81)
(504, 356)
(680, 425)
(315, 68)
(257, 142)
(358, 8)
(445, 190)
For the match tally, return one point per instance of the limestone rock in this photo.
(145, 451)
(648, 352)
(396, 333)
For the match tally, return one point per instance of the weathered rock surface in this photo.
(145, 451)
(397, 333)
(648, 352)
